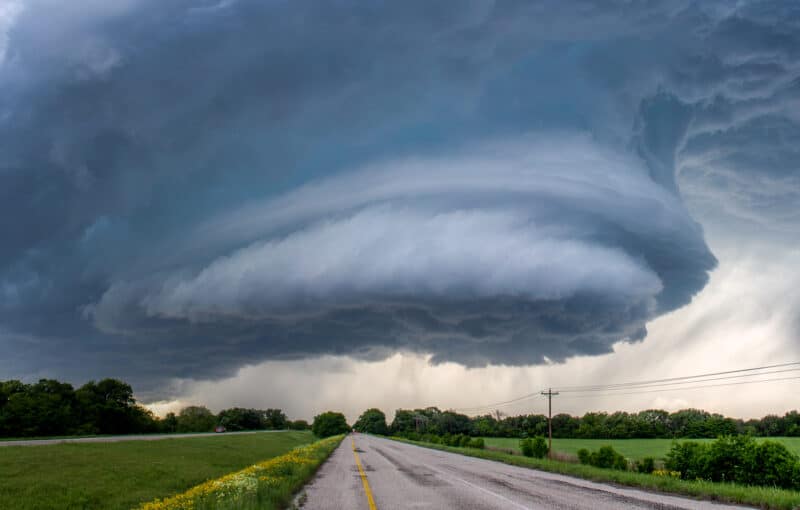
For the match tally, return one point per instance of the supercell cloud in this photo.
(190, 187)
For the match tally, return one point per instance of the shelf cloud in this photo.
(190, 187)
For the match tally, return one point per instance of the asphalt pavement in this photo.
(370, 473)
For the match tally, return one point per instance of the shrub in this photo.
(464, 440)
(606, 457)
(476, 442)
(526, 447)
(540, 448)
(796, 476)
(646, 465)
(774, 465)
(690, 458)
(729, 458)
(737, 459)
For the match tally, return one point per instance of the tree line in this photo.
(653, 423)
(52, 408)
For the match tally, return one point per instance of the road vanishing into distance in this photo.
(372, 473)
(116, 439)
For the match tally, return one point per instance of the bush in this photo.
(796, 476)
(463, 440)
(540, 448)
(646, 465)
(329, 424)
(526, 447)
(729, 458)
(774, 465)
(606, 457)
(737, 459)
(690, 458)
(476, 442)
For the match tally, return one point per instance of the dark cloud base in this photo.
(128, 131)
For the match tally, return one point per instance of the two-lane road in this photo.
(372, 473)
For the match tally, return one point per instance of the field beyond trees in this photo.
(633, 449)
(124, 474)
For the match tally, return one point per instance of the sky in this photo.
(337, 205)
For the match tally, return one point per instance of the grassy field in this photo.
(121, 475)
(761, 497)
(634, 449)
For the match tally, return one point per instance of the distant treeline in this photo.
(654, 423)
(53, 408)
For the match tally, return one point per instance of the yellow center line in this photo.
(364, 481)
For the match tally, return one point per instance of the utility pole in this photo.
(550, 394)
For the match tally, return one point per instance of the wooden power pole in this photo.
(550, 394)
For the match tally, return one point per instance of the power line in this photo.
(659, 385)
(653, 383)
(594, 395)
(498, 404)
(605, 386)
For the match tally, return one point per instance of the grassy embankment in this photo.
(633, 449)
(125, 474)
(762, 497)
(268, 485)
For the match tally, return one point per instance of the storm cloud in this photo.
(186, 188)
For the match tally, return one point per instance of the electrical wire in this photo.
(594, 395)
(603, 386)
(653, 383)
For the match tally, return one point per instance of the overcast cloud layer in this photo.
(190, 187)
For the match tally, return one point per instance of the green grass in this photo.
(269, 485)
(634, 449)
(121, 475)
(762, 497)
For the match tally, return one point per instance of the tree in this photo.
(238, 418)
(403, 421)
(484, 425)
(449, 422)
(169, 423)
(299, 425)
(196, 419)
(372, 421)
(108, 407)
(274, 419)
(329, 424)
(46, 408)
